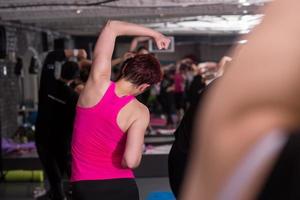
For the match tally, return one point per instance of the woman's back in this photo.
(98, 142)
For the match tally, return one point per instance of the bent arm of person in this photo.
(100, 74)
(258, 93)
(136, 41)
(122, 59)
(222, 65)
(135, 140)
(78, 53)
(224, 60)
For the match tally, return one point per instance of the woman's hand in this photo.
(127, 55)
(162, 42)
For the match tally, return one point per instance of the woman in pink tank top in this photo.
(110, 123)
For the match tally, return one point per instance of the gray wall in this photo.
(29, 44)
(213, 52)
(23, 89)
(8, 99)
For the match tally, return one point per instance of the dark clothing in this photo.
(283, 181)
(112, 189)
(55, 162)
(54, 124)
(179, 100)
(52, 60)
(184, 131)
(177, 162)
(56, 120)
(178, 157)
(281, 184)
(166, 99)
(195, 88)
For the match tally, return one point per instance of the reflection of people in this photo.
(180, 151)
(196, 86)
(110, 123)
(79, 83)
(166, 97)
(179, 86)
(122, 59)
(181, 148)
(208, 71)
(54, 123)
(141, 49)
(258, 95)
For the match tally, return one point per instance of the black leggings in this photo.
(177, 162)
(56, 159)
(112, 189)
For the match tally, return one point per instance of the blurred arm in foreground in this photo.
(259, 93)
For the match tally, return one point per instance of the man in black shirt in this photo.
(54, 125)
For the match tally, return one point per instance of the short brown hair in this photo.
(142, 69)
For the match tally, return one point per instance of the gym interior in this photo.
(204, 37)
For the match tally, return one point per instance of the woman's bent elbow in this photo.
(131, 163)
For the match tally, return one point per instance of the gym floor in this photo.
(24, 191)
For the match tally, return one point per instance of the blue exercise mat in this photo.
(160, 196)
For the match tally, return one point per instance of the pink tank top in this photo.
(178, 80)
(98, 143)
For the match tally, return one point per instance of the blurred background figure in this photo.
(181, 149)
(142, 49)
(166, 96)
(84, 70)
(56, 112)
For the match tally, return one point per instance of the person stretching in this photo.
(110, 123)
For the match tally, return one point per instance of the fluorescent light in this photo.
(222, 24)
(243, 1)
(246, 4)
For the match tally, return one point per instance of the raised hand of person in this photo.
(81, 54)
(127, 55)
(162, 42)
